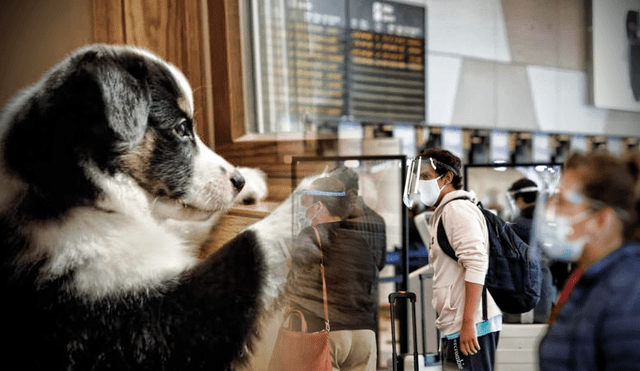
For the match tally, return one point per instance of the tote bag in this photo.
(303, 351)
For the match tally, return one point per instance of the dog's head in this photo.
(109, 115)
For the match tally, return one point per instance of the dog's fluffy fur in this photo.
(99, 166)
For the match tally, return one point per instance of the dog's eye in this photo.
(181, 129)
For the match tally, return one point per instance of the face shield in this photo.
(411, 194)
(415, 188)
(512, 195)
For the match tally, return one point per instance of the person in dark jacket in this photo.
(593, 219)
(368, 222)
(363, 218)
(524, 192)
(350, 272)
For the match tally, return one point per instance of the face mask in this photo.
(553, 239)
(303, 221)
(429, 191)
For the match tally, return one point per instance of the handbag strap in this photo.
(290, 314)
(324, 282)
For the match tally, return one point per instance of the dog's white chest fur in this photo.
(115, 248)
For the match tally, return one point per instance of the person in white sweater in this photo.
(469, 340)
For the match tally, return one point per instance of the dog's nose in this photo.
(237, 180)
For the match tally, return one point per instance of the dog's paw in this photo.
(255, 187)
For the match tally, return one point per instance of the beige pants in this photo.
(353, 350)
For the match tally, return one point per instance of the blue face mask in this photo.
(303, 218)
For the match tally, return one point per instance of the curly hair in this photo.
(447, 158)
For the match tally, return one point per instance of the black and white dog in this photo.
(99, 164)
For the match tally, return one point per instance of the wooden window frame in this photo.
(231, 137)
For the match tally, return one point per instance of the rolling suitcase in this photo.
(406, 362)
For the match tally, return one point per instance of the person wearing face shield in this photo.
(350, 272)
(523, 194)
(593, 221)
(365, 220)
(469, 340)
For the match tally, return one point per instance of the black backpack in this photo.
(514, 278)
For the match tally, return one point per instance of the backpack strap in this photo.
(443, 242)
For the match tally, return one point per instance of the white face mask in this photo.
(302, 219)
(553, 237)
(429, 191)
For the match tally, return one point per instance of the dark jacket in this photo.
(373, 229)
(350, 272)
(522, 224)
(599, 326)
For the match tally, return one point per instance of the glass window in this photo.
(373, 191)
(320, 62)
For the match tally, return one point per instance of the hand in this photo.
(468, 339)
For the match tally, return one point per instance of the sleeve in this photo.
(465, 229)
(379, 243)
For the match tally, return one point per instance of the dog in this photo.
(100, 172)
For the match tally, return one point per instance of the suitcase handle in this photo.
(423, 277)
(393, 297)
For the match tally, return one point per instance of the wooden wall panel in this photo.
(196, 50)
(226, 70)
(156, 25)
(108, 21)
(173, 29)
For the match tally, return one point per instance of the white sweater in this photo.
(466, 230)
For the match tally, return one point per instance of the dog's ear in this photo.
(88, 109)
(125, 90)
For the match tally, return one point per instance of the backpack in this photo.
(514, 278)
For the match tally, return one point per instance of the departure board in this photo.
(328, 60)
(386, 76)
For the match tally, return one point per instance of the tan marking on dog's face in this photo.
(185, 101)
(183, 104)
(136, 164)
